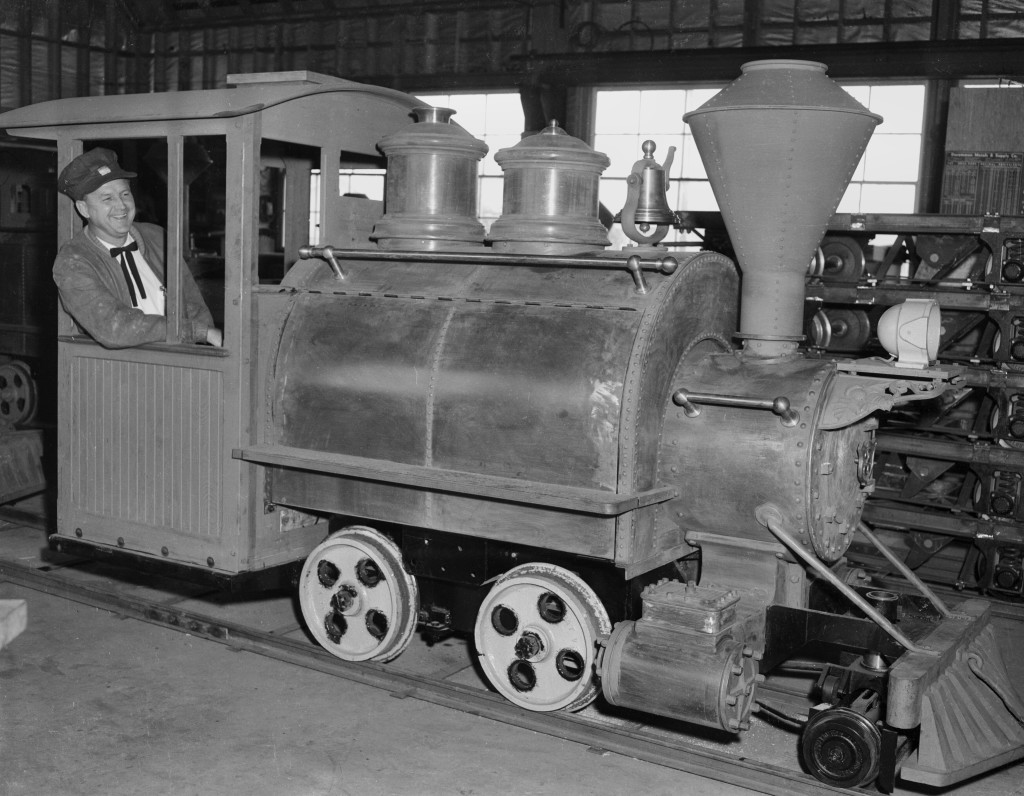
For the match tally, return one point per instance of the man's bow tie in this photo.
(128, 265)
(131, 247)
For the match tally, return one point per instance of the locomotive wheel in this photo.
(839, 329)
(17, 393)
(536, 634)
(842, 747)
(844, 260)
(358, 600)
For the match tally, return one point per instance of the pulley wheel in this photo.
(536, 634)
(18, 397)
(358, 600)
(841, 747)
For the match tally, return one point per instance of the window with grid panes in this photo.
(885, 180)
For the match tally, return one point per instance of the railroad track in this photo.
(765, 761)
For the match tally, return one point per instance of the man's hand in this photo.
(215, 337)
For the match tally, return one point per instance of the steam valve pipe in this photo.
(323, 253)
(779, 406)
(633, 266)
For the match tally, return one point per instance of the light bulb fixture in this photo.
(910, 332)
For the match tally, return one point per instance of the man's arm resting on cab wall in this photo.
(112, 323)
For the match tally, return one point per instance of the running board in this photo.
(489, 487)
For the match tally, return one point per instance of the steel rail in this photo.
(641, 742)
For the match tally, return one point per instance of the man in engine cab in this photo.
(110, 275)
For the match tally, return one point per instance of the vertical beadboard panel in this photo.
(145, 442)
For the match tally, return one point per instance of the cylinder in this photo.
(550, 197)
(431, 186)
(657, 670)
(731, 459)
(885, 602)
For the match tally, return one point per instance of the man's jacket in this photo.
(93, 291)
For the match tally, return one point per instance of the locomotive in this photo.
(523, 435)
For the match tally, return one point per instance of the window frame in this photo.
(174, 223)
(681, 179)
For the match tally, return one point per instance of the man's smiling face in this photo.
(110, 210)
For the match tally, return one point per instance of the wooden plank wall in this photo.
(46, 54)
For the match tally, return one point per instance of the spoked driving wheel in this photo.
(357, 598)
(536, 634)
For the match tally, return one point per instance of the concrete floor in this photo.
(91, 703)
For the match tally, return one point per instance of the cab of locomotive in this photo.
(145, 433)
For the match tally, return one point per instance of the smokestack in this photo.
(780, 144)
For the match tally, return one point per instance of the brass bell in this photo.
(646, 200)
(652, 203)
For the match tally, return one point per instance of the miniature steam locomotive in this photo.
(552, 446)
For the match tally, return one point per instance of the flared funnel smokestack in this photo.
(780, 144)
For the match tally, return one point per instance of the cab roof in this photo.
(247, 93)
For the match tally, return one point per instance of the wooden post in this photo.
(110, 46)
(83, 85)
(25, 57)
(53, 53)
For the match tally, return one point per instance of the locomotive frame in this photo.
(221, 460)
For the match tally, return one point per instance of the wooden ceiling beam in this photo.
(197, 14)
(948, 60)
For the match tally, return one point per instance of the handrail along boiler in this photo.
(532, 438)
